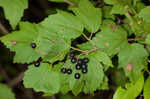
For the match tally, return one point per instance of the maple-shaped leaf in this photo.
(5, 92)
(65, 24)
(94, 79)
(131, 91)
(111, 38)
(133, 58)
(52, 37)
(42, 79)
(14, 10)
(50, 46)
(91, 20)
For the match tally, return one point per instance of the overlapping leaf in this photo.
(145, 14)
(93, 80)
(91, 19)
(42, 79)
(52, 36)
(111, 38)
(147, 89)
(14, 10)
(133, 59)
(132, 90)
(5, 92)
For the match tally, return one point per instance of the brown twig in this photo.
(68, 2)
(4, 74)
(3, 29)
(136, 39)
(53, 97)
(16, 80)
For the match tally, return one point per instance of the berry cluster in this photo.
(81, 64)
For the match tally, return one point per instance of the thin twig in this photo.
(77, 49)
(85, 37)
(136, 39)
(4, 74)
(53, 97)
(70, 3)
(3, 29)
(16, 80)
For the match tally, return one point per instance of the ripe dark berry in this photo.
(80, 61)
(69, 71)
(85, 60)
(83, 66)
(77, 76)
(64, 70)
(37, 64)
(84, 71)
(73, 60)
(33, 45)
(72, 54)
(78, 66)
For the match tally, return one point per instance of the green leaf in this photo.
(147, 41)
(91, 81)
(61, 1)
(111, 38)
(118, 9)
(107, 12)
(131, 91)
(91, 20)
(42, 79)
(147, 89)
(95, 78)
(133, 59)
(65, 24)
(144, 13)
(14, 10)
(50, 45)
(5, 92)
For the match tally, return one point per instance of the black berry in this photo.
(69, 71)
(85, 60)
(33, 45)
(78, 66)
(84, 71)
(72, 54)
(73, 60)
(77, 76)
(37, 64)
(83, 66)
(80, 61)
(64, 70)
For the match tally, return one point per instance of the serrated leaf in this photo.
(146, 91)
(42, 79)
(111, 38)
(91, 20)
(94, 79)
(144, 13)
(16, 7)
(133, 59)
(50, 45)
(5, 92)
(65, 24)
(132, 90)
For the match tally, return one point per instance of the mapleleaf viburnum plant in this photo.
(78, 49)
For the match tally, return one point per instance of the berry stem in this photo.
(77, 49)
(89, 38)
